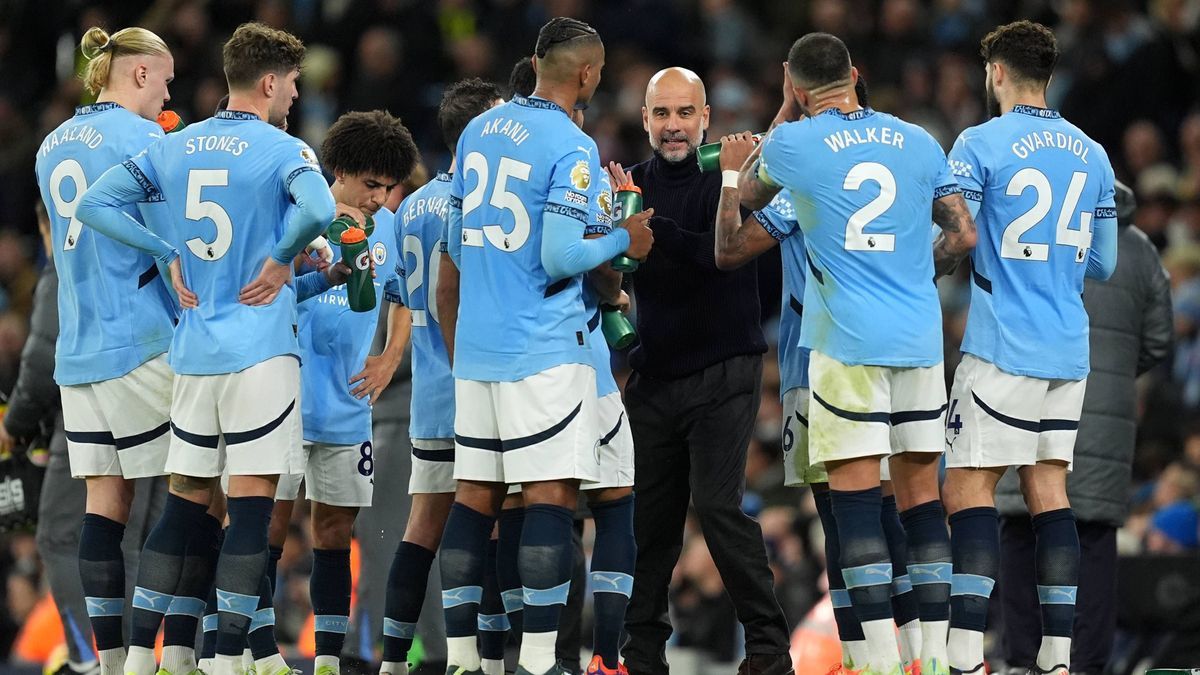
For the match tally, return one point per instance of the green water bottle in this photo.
(618, 331)
(629, 202)
(170, 122)
(708, 156)
(339, 225)
(360, 287)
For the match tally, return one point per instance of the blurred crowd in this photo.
(1129, 76)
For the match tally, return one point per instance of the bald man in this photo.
(694, 394)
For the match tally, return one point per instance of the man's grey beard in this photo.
(691, 152)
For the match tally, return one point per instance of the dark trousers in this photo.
(690, 437)
(1096, 601)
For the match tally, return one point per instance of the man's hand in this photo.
(187, 299)
(350, 212)
(623, 303)
(640, 236)
(375, 376)
(321, 247)
(264, 289)
(735, 148)
(789, 110)
(338, 273)
(618, 175)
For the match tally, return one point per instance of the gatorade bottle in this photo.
(629, 202)
(618, 332)
(360, 288)
(170, 121)
(709, 154)
(343, 223)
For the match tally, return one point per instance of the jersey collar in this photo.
(1034, 111)
(96, 108)
(442, 177)
(534, 102)
(851, 116)
(236, 115)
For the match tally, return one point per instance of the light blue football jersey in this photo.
(863, 185)
(601, 223)
(334, 344)
(225, 182)
(779, 220)
(518, 160)
(114, 309)
(421, 229)
(1040, 184)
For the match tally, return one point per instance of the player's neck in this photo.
(1031, 99)
(564, 99)
(842, 99)
(453, 164)
(121, 98)
(240, 102)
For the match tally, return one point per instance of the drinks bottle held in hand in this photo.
(360, 287)
(629, 202)
(618, 331)
(709, 154)
(170, 122)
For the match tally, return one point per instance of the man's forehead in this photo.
(675, 96)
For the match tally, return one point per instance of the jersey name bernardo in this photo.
(231, 144)
(437, 206)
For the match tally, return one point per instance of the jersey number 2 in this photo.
(856, 238)
(197, 209)
(414, 278)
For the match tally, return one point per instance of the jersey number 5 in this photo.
(1081, 239)
(198, 209)
(501, 198)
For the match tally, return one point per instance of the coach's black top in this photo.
(690, 315)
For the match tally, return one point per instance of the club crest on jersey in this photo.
(363, 260)
(379, 253)
(604, 199)
(309, 158)
(581, 175)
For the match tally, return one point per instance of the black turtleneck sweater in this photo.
(690, 315)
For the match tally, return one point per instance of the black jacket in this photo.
(1131, 332)
(34, 401)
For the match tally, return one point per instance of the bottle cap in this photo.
(629, 187)
(169, 120)
(353, 235)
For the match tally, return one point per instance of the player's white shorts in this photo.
(861, 411)
(432, 466)
(616, 445)
(1000, 419)
(246, 422)
(797, 470)
(540, 428)
(122, 426)
(337, 475)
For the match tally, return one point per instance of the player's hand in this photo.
(735, 148)
(264, 289)
(337, 273)
(618, 175)
(350, 212)
(789, 110)
(375, 376)
(187, 299)
(321, 247)
(640, 236)
(623, 303)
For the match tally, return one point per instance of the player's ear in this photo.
(267, 85)
(140, 74)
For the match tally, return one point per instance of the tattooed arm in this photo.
(957, 237)
(738, 241)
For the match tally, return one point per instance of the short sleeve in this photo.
(295, 158)
(966, 167)
(601, 206)
(573, 180)
(943, 180)
(778, 218)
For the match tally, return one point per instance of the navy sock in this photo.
(463, 555)
(929, 562)
(849, 629)
(613, 557)
(512, 522)
(904, 599)
(407, 581)
(161, 567)
(274, 553)
(260, 636)
(208, 646)
(1057, 554)
(545, 561)
(975, 539)
(493, 622)
(330, 589)
(241, 570)
(195, 582)
(866, 565)
(102, 573)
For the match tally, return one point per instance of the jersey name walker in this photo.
(421, 228)
(225, 182)
(334, 344)
(518, 160)
(1039, 182)
(114, 310)
(862, 185)
(779, 220)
